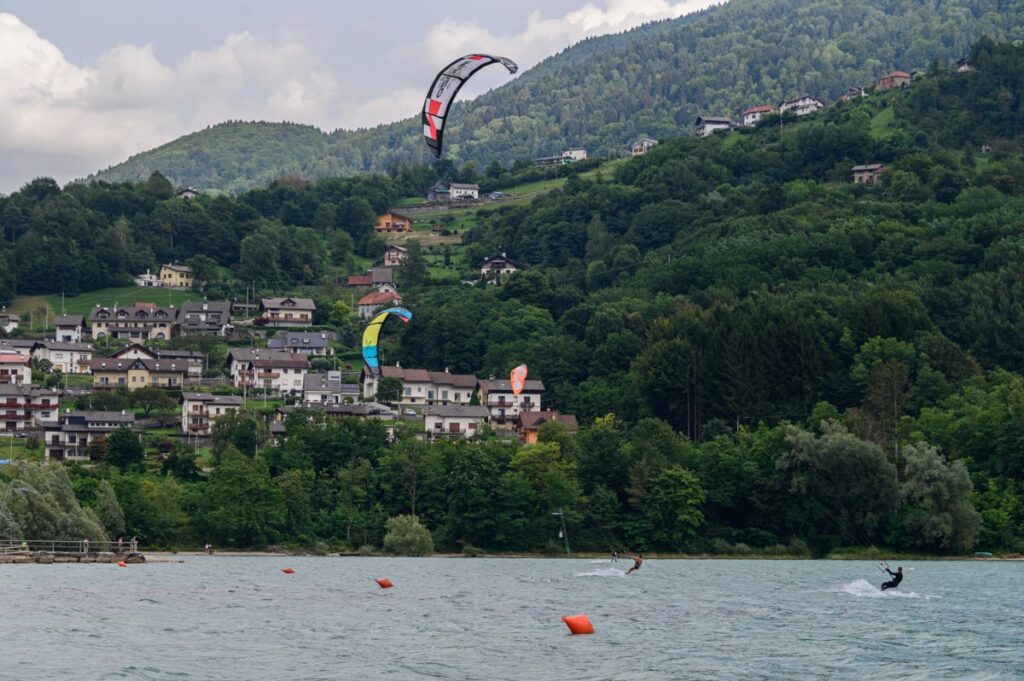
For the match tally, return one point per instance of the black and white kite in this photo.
(446, 85)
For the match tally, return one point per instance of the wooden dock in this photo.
(48, 552)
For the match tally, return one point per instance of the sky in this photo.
(85, 85)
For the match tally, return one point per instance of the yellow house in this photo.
(175, 276)
(135, 373)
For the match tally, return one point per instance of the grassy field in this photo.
(882, 124)
(36, 311)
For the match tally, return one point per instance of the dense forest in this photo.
(604, 92)
(763, 355)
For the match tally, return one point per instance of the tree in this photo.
(108, 510)
(389, 390)
(672, 508)
(235, 429)
(242, 506)
(159, 186)
(413, 271)
(204, 270)
(406, 537)
(935, 509)
(152, 399)
(124, 448)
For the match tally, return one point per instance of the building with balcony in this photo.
(288, 311)
(138, 372)
(67, 328)
(24, 407)
(68, 439)
(422, 387)
(276, 371)
(199, 411)
(504, 406)
(205, 316)
(327, 388)
(175, 276)
(15, 367)
(453, 421)
(144, 321)
(66, 357)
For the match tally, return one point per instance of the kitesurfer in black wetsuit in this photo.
(897, 577)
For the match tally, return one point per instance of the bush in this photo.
(406, 537)
(470, 550)
(798, 547)
(721, 546)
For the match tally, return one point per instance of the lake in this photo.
(232, 618)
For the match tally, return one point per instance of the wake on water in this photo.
(862, 588)
(606, 572)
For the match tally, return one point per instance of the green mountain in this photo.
(605, 91)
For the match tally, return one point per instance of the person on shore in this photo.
(209, 549)
(638, 560)
(120, 544)
(897, 577)
(85, 546)
(135, 545)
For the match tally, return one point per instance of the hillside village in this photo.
(298, 368)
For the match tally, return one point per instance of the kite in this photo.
(371, 355)
(446, 85)
(518, 379)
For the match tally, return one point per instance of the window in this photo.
(444, 394)
(407, 391)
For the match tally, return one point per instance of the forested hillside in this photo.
(603, 92)
(761, 353)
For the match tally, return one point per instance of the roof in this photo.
(897, 74)
(21, 389)
(724, 120)
(495, 258)
(178, 354)
(185, 269)
(424, 376)
(292, 362)
(457, 411)
(248, 354)
(151, 365)
(123, 417)
(395, 213)
(141, 312)
(378, 298)
(460, 185)
(13, 358)
(869, 166)
(68, 320)
(293, 303)
(194, 306)
(531, 420)
(360, 280)
(382, 275)
(17, 343)
(765, 108)
(492, 385)
(224, 400)
(67, 347)
(394, 247)
(300, 339)
(643, 140)
(321, 381)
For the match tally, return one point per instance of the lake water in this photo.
(447, 618)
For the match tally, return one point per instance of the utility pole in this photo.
(563, 533)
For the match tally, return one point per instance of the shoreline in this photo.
(174, 556)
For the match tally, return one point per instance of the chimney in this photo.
(446, 370)
(398, 365)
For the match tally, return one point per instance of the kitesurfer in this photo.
(615, 556)
(897, 577)
(638, 560)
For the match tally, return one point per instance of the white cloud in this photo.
(128, 101)
(544, 37)
(66, 120)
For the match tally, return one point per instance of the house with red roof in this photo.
(372, 302)
(752, 115)
(892, 80)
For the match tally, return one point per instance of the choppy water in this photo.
(223, 618)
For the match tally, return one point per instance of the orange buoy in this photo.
(578, 624)
(288, 571)
(121, 563)
(385, 583)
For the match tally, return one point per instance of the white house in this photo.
(420, 386)
(463, 192)
(327, 388)
(577, 154)
(68, 328)
(705, 126)
(496, 268)
(274, 370)
(147, 280)
(27, 406)
(68, 439)
(371, 302)
(394, 256)
(199, 411)
(755, 113)
(66, 357)
(642, 146)
(453, 421)
(503, 405)
(802, 106)
(15, 367)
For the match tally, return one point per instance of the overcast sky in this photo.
(85, 85)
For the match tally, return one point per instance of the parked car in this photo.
(409, 412)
